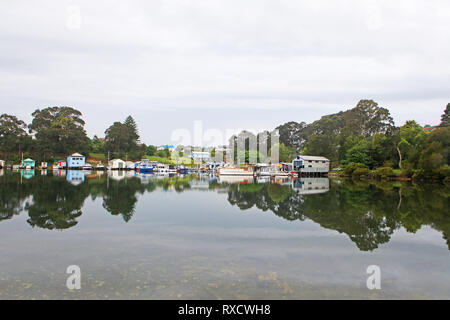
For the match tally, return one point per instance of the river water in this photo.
(202, 237)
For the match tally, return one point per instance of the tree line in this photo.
(363, 138)
(55, 132)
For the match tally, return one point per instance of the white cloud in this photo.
(143, 57)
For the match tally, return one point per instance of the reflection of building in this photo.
(235, 179)
(75, 177)
(28, 174)
(117, 175)
(199, 184)
(311, 185)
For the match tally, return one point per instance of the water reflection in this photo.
(368, 213)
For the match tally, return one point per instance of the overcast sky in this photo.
(231, 64)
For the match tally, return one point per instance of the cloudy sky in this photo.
(231, 64)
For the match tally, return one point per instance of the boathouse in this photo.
(28, 163)
(117, 164)
(62, 164)
(76, 161)
(311, 165)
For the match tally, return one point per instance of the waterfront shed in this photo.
(28, 163)
(76, 161)
(117, 164)
(311, 164)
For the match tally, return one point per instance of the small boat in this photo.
(161, 168)
(172, 169)
(100, 167)
(182, 170)
(87, 166)
(145, 167)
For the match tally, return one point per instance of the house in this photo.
(431, 128)
(60, 164)
(311, 164)
(76, 161)
(200, 156)
(164, 147)
(28, 163)
(117, 164)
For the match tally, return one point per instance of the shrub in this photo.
(444, 172)
(361, 173)
(352, 166)
(383, 173)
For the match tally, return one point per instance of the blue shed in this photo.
(76, 160)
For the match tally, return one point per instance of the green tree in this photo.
(97, 145)
(117, 138)
(59, 130)
(151, 150)
(13, 135)
(133, 133)
(411, 139)
(445, 120)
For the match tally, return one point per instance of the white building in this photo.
(200, 156)
(311, 164)
(2, 164)
(116, 164)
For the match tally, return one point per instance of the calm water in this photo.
(198, 237)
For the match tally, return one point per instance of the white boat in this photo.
(241, 171)
(87, 166)
(100, 167)
(161, 168)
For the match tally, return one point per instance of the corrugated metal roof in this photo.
(314, 158)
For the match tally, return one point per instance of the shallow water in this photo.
(199, 237)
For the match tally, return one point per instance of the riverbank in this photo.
(389, 174)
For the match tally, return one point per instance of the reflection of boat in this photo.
(235, 179)
(182, 170)
(311, 185)
(161, 168)
(242, 171)
(263, 179)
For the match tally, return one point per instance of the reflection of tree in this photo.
(56, 204)
(12, 196)
(120, 198)
(367, 213)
